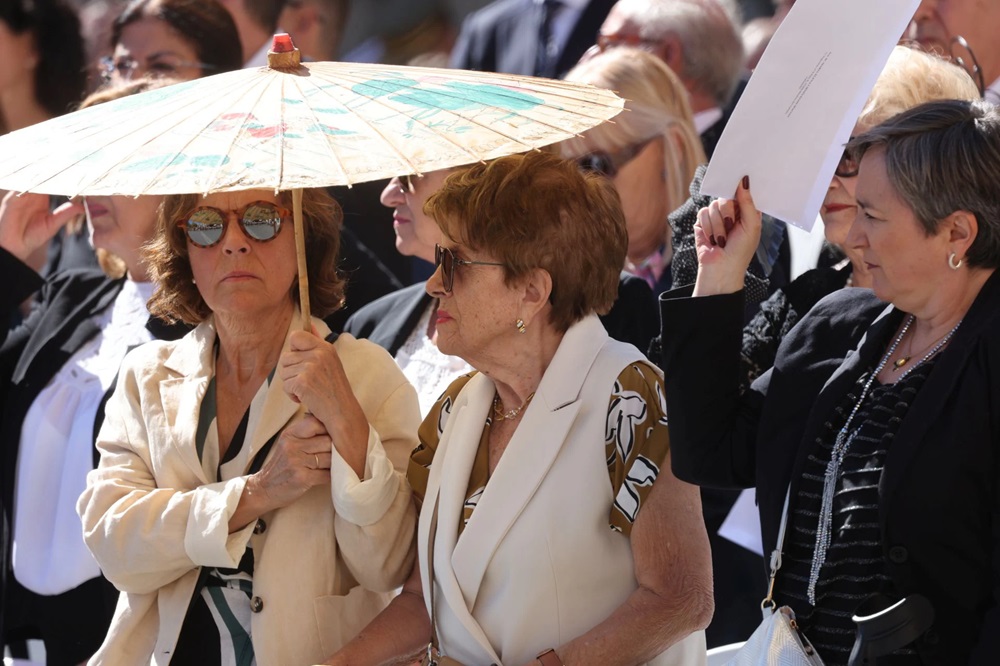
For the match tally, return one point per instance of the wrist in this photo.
(711, 283)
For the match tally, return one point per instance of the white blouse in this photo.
(425, 366)
(56, 450)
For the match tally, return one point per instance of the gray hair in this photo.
(709, 35)
(943, 157)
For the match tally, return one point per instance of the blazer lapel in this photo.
(446, 488)
(529, 455)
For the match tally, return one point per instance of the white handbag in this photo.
(777, 641)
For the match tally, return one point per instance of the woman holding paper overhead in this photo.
(878, 421)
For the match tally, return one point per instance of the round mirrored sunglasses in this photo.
(259, 221)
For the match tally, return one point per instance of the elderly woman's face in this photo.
(839, 205)
(478, 310)
(121, 224)
(905, 264)
(238, 274)
(416, 233)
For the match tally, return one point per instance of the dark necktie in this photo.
(547, 52)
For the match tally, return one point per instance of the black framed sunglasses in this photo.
(609, 163)
(448, 262)
(259, 221)
(847, 167)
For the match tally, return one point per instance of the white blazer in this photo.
(323, 566)
(537, 564)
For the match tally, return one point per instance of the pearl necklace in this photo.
(512, 414)
(843, 443)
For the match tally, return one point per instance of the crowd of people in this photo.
(465, 457)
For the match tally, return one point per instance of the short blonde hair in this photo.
(911, 77)
(656, 103)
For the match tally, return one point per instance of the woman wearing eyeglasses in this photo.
(250, 501)
(551, 529)
(909, 78)
(650, 153)
(179, 39)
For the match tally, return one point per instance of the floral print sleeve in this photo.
(636, 440)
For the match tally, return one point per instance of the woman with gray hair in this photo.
(877, 422)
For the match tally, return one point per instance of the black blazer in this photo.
(389, 321)
(939, 493)
(503, 37)
(32, 354)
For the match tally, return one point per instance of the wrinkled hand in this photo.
(26, 223)
(299, 460)
(314, 375)
(726, 236)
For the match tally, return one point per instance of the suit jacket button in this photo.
(256, 604)
(260, 526)
(898, 555)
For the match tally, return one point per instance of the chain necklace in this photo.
(840, 447)
(509, 415)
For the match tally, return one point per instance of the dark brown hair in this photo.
(177, 297)
(537, 210)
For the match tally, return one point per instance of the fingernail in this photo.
(728, 224)
(711, 239)
(722, 242)
(746, 182)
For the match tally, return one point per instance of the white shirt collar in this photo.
(705, 119)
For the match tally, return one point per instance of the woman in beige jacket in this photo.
(249, 502)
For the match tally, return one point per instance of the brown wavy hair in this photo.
(177, 298)
(536, 210)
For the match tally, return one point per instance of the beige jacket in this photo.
(537, 564)
(323, 566)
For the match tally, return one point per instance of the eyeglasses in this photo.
(610, 163)
(605, 42)
(847, 167)
(259, 220)
(930, 32)
(127, 67)
(448, 262)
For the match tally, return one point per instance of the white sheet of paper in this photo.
(742, 525)
(797, 112)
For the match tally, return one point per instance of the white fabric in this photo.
(992, 93)
(705, 119)
(536, 564)
(423, 364)
(57, 448)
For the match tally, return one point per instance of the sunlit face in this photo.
(641, 184)
(151, 47)
(17, 57)
(839, 205)
(239, 275)
(905, 263)
(619, 29)
(121, 225)
(416, 232)
(937, 22)
(479, 310)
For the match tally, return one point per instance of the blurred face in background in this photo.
(152, 47)
(416, 233)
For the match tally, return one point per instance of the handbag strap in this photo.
(776, 554)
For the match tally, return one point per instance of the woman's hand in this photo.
(26, 223)
(726, 236)
(299, 460)
(313, 375)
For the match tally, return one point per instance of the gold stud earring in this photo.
(520, 325)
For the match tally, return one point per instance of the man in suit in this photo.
(533, 37)
(699, 40)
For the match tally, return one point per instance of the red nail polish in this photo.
(722, 242)
(746, 182)
(711, 239)
(728, 224)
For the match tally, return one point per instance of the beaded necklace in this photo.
(840, 447)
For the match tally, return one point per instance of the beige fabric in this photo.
(537, 564)
(152, 518)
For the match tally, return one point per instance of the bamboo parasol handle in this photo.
(300, 259)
